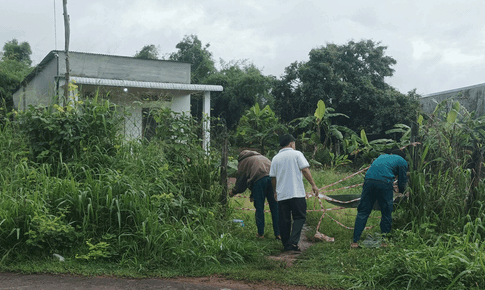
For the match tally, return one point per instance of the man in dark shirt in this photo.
(253, 173)
(379, 185)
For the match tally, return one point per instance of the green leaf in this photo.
(453, 114)
(363, 137)
(320, 111)
(335, 132)
(420, 120)
(257, 111)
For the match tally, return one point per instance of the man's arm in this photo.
(308, 176)
(241, 183)
(402, 178)
(273, 183)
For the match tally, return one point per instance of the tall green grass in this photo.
(94, 196)
(440, 183)
(424, 259)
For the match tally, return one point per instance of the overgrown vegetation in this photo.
(152, 208)
(440, 228)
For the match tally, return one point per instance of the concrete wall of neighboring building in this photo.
(472, 98)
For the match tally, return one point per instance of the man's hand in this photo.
(308, 176)
(273, 184)
(315, 190)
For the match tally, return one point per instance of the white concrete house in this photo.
(137, 84)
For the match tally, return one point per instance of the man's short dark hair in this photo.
(286, 139)
(396, 151)
(399, 153)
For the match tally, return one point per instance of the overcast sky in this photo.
(438, 44)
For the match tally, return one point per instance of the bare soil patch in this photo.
(290, 257)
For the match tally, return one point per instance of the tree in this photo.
(190, 50)
(289, 99)
(14, 66)
(147, 52)
(244, 86)
(12, 50)
(351, 79)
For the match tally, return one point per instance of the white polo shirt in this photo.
(286, 166)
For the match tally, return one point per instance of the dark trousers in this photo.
(289, 209)
(371, 191)
(262, 189)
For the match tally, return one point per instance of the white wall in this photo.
(40, 91)
(181, 104)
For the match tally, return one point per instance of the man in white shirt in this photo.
(286, 172)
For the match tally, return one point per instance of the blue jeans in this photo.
(294, 208)
(371, 191)
(262, 189)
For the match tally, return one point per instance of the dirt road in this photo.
(64, 282)
(68, 282)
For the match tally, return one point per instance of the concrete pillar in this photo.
(206, 109)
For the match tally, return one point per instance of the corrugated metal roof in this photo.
(147, 85)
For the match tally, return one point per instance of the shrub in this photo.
(81, 128)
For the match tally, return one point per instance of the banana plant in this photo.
(259, 127)
(369, 149)
(313, 126)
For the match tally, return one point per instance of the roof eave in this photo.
(147, 85)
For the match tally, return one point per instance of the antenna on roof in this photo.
(55, 26)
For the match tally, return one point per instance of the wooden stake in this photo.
(224, 156)
(67, 33)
